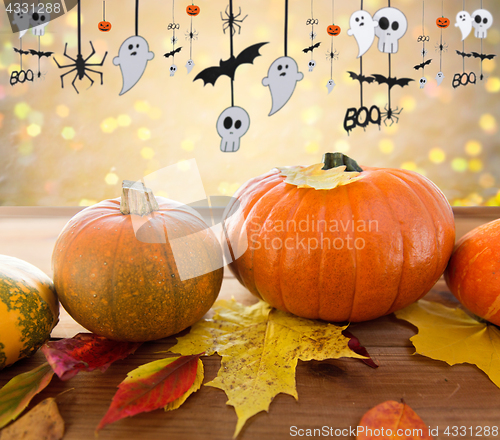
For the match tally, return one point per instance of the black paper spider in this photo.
(192, 35)
(231, 21)
(332, 55)
(391, 115)
(81, 66)
(441, 47)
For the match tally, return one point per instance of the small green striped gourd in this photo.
(29, 309)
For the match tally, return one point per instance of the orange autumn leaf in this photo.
(394, 421)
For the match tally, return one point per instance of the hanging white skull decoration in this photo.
(423, 82)
(38, 21)
(232, 124)
(311, 65)
(173, 69)
(392, 25)
(481, 21)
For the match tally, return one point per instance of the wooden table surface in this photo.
(332, 393)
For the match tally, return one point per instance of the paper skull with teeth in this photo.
(173, 69)
(311, 65)
(392, 25)
(481, 22)
(423, 82)
(38, 22)
(232, 124)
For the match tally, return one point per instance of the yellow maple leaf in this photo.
(452, 336)
(315, 177)
(260, 347)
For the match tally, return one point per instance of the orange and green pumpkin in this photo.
(339, 242)
(137, 268)
(473, 272)
(29, 309)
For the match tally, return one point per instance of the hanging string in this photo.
(103, 11)
(286, 27)
(312, 27)
(79, 27)
(361, 71)
(136, 17)
(231, 49)
(441, 41)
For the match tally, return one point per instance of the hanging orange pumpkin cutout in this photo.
(193, 10)
(443, 22)
(333, 30)
(104, 26)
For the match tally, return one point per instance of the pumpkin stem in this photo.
(334, 160)
(137, 199)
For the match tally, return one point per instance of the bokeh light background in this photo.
(60, 148)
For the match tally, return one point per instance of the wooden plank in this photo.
(332, 393)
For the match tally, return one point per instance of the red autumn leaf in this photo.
(355, 346)
(152, 386)
(394, 421)
(85, 352)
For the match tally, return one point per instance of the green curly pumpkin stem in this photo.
(334, 160)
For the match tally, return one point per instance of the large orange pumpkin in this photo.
(137, 276)
(473, 273)
(369, 246)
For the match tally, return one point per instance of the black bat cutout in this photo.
(391, 82)
(22, 52)
(361, 78)
(40, 53)
(483, 56)
(311, 48)
(228, 67)
(463, 54)
(172, 53)
(422, 66)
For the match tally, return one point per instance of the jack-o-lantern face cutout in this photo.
(443, 22)
(333, 30)
(104, 26)
(193, 10)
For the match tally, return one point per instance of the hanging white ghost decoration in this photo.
(330, 85)
(281, 79)
(439, 78)
(232, 124)
(189, 65)
(362, 27)
(464, 23)
(481, 22)
(22, 21)
(392, 25)
(132, 58)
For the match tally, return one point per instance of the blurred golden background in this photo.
(60, 148)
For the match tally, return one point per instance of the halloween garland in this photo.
(37, 21)
(424, 39)
(173, 26)
(312, 36)
(80, 65)
(192, 10)
(234, 121)
(333, 31)
(442, 23)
